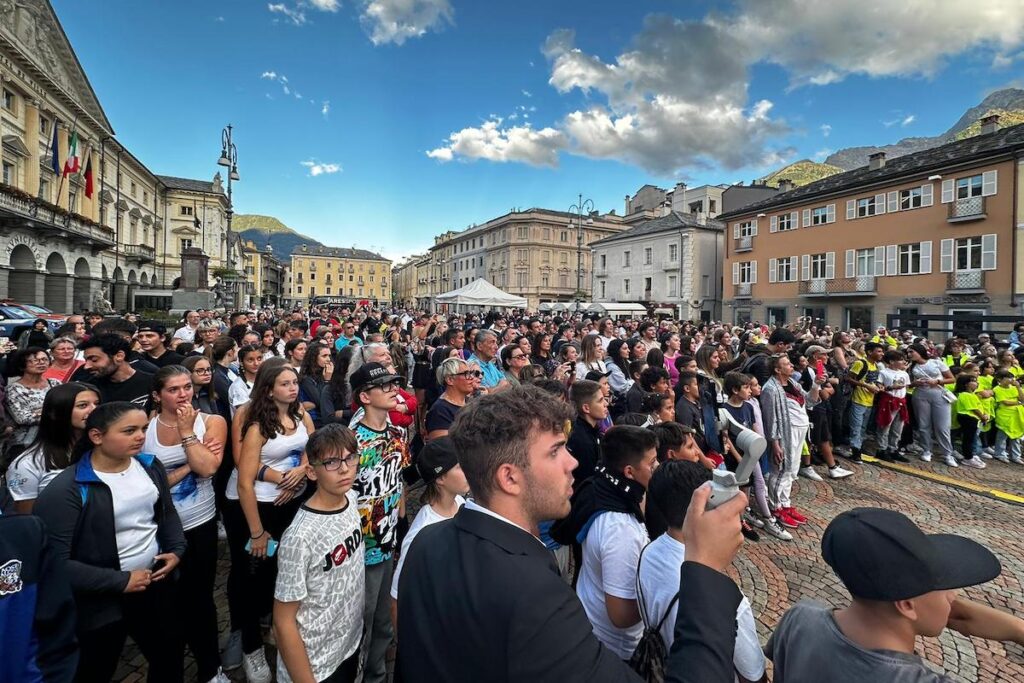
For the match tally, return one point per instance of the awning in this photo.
(617, 309)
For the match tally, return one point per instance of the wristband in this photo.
(259, 535)
(262, 471)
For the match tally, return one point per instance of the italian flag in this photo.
(74, 162)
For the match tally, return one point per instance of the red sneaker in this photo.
(796, 516)
(785, 519)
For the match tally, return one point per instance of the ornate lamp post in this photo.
(229, 159)
(581, 208)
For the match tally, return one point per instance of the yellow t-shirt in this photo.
(862, 396)
(967, 402)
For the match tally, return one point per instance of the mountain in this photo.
(261, 228)
(802, 172)
(1008, 103)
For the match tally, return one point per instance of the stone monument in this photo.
(192, 292)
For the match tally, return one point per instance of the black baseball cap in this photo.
(437, 457)
(372, 374)
(596, 375)
(152, 326)
(882, 555)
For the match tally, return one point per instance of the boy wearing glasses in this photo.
(318, 619)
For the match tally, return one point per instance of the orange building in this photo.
(927, 233)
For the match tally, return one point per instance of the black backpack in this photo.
(648, 659)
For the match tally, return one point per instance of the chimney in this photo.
(678, 198)
(989, 124)
(785, 185)
(876, 161)
(629, 209)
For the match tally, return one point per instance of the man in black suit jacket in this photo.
(481, 598)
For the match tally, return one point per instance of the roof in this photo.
(174, 183)
(1003, 141)
(670, 222)
(337, 252)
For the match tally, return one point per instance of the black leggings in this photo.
(251, 581)
(151, 619)
(968, 431)
(198, 575)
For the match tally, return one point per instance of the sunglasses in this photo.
(469, 374)
(334, 464)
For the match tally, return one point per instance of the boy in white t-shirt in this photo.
(670, 489)
(318, 602)
(892, 406)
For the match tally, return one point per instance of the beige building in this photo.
(935, 232)
(405, 281)
(265, 275)
(338, 273)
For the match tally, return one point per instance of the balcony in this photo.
(741, 291)
(670, 264)
(743, 244)
(143, 253)
(20, 210)
(968, 209)
(965, 282)
(862, 285)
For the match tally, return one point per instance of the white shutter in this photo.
(879, 261)
(753, 272)
(926, 257)
(988, 251)
(736, 231)
(879, 203)
(792, 269)
(773, 224)
(773, 265)
(946, 256)
(989, 180)
(947, 191)
(753, 229)
(807, 218)
(830, 265)
(736, 273)
(805, 267)
(894, 202)
(830, 213)
(891, 265)
(927, 192)
(794, 220)
(851, 263)
(851, 209)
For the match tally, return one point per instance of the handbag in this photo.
(650, 654)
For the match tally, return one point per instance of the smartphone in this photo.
(820, 369)
(271, 547)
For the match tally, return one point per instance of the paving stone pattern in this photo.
(775, 574)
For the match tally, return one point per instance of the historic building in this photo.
(339, 273)
(405, 281)
(265, 274)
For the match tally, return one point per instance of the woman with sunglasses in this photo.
(459, 381)
(513, 360)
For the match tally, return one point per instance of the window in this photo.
(604, 261)
(968, 187)
(968, 253)
(625, 286)
(8, 100)
(563, 280)
(603, 286)
(673, 253)
(746, 272)
(748, 228)
(697, 207)
(565, 236)
(818, 262)
(545, 256)
(371, 278)
(186, 244)
(44, 126)
(145, 197)
(523, 255)
(867, 207)
(711, 206)
(673, 286)
(647, 286)
(522, 232)
(625, 259)
(134, 189)
(776, 315)
(545, 280)
(9, 175)
(312, 276)
(785, 270)
(547, 234)
(865, 262)
(298, 288)
(328, 291)
(785, 222)
(44, 189)
(186, 210)
(563, 257)
(909, 258)
(819, 215)
(521, 280)
(647, 256)
(73, 206)
(910, 199)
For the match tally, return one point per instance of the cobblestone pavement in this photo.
(775, 574)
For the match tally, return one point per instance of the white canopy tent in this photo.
(570, 306)
(617, 309)
(481, 293)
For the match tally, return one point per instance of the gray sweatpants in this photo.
(933, 419)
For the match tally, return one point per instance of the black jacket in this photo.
(482, 600)
(635, 398)
(585, 445)
(79, 512)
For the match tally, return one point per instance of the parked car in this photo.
(15, 318)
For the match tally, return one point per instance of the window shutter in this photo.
(988, 251)
(830, 265)
(736, 273)
(753, 229)
(894, 202)
(773, 224)
(794, 220)
(946, 256)
(753, 272)
(773, 265)
(792, 269)
(947, 191)
(891, 265)
(880, 203)
(807, 218)
(879, 261)
(926, 257)
(830, 213)
(989, 180)
(851, 209)
(736, 231)
(927, 192)
(805, 267)
(851, 265)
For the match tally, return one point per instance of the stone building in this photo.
(338, 273)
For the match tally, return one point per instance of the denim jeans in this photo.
(858, 420)
(1007, 446)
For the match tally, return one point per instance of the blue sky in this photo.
(380, 123)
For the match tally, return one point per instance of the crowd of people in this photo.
(328, 449)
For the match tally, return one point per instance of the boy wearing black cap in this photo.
(903, 584)
(152, 336)
(446, 487)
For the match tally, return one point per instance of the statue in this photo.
(101, 304)
(220, 293)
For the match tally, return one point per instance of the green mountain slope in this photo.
(263, 230)
(802, 172)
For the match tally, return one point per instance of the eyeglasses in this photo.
(469, 374)
(516, 356)
(41, 359)
(386, 387)
(203, 371)
(334, 464)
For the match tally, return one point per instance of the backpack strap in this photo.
(644, 617)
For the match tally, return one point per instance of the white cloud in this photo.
(325, 5)
(395, 21)
(293, 14)
(826, 130)
(527, 93)
(219, 19)
(269, 75)
(907, 120)
(316, 168)
(325, 108)
(494, 143)
(822, 154)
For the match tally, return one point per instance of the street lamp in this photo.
(581, 207)
(229, 160)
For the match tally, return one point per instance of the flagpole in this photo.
(60, 183)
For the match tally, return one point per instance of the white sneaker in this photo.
(1002, 457)
(221, 677)
(975, 462)
(1017, 461)
(753, 520)
(810, 474)
(986, 455)
(950, 461)
(988, 450)
(256, 668)
(925, 457)
(838, 472)
(772, 528)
